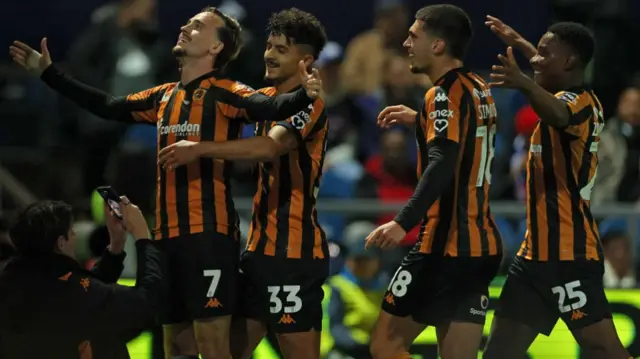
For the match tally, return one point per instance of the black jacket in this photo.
(50, 307)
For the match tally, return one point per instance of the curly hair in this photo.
(230, 36)
(300, 28)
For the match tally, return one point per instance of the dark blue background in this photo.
(62, 20)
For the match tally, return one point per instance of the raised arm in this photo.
(140, 107)
(256, 106)
(510, 37)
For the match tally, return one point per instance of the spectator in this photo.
(362, 70)
(345, 115)
(50, 306)
(526, 122)
(121, 53)
(618, 263)
(618, 176)
(390, 177)
(356, 294)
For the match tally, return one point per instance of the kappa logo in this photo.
(286, 319)
(577, 315)
(389, 299)
(85, 283)
(213, 303)
(441, 97)
(440, 125)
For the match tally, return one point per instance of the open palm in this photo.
(31, 60)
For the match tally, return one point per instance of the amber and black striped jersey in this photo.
(197, 197)
(460, 108)
(284, 222)
(561, 171)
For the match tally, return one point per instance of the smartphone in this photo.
(112, 198)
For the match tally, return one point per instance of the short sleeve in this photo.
(144, 104)
(580, 109)
(307, 121)
(442, 109)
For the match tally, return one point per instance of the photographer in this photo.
(52, 308)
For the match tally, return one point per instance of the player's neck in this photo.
(191, 69)
(439, 70)
(288, 84)
(572, 80)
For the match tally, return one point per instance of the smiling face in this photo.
(418, 45)
(281, 58)
(551, 62)
(199, 37)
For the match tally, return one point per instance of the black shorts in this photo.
(538, 293)
(434, 289)
(286, 294)
(201, 272)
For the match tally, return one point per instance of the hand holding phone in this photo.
(112, 198)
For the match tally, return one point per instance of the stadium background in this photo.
(50, 149)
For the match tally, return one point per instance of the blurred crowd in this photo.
(56, 150)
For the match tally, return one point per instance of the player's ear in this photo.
(216, 48)
(308, 61)
(438, 46)
(571, 63)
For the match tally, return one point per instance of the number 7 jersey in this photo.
(561, 171)
(460, 108)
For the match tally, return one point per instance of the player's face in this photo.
(281, 58)
(418, 46)
(550, 63)
(199, 37)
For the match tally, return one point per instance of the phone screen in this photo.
(112, 198)
(115, 207)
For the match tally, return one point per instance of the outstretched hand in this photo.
(397, 114)
(508, 74)
(31, 60)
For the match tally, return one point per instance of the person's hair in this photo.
(300, 28)
(613, 235)
(230, 35)
(577, 37)
(37, 228)
(450, 23)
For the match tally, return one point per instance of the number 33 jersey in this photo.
(284, 223)
(561, 171)
(460, 108)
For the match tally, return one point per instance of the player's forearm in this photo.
(91, 99)
(549, 108)
(259, 148)
(435, 179)
(526, 48)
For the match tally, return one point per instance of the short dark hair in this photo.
(576, 36)
(450, 23)
(299, 27)
(37, 228)
(230, 35)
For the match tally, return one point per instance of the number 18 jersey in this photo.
(460, 108)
